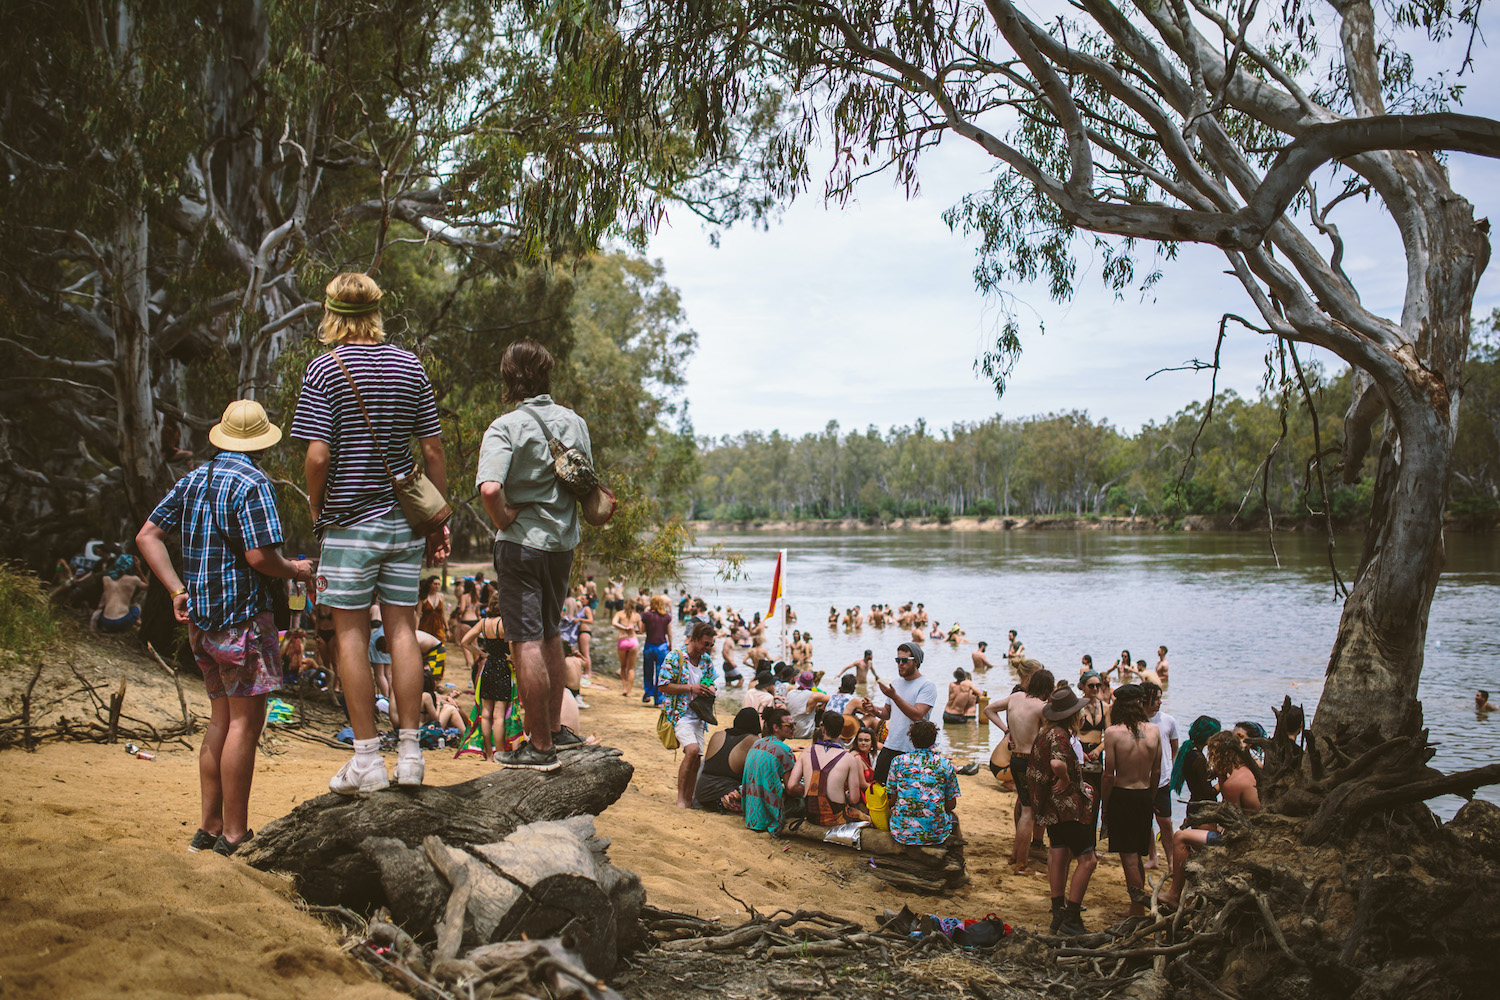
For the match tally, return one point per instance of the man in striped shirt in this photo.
(369, 554)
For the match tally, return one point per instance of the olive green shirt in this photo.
(514, 454)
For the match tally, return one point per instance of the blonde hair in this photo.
(659, 604)
(352, 288)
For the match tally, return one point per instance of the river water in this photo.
(1242, 630)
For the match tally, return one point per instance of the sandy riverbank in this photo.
(101, 898)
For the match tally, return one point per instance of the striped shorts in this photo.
(374, 562)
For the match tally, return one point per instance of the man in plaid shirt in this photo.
(226, 511)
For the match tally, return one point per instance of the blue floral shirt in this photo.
(677, 669)
(920, 784)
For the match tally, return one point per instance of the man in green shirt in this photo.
(537, 522)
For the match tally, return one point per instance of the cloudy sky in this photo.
(869, 314)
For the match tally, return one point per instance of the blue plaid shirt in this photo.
(231, 490)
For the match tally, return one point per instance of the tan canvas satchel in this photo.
(425, 508)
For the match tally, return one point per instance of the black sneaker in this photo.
(202, 841)
(528, 757)
(224, 847)
(566, 739)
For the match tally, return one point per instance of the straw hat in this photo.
(244, 427)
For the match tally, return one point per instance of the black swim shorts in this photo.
(1164, 802)
(1130, 828)
(1019, 762)
(1075, 836)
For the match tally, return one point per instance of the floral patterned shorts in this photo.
(242, 661)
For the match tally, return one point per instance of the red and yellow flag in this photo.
(776, 584)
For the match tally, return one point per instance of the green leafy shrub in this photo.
(26, 623)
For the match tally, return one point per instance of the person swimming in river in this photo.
(963, 699)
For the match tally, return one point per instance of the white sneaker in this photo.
(352, 778)
(409, 770)
(581, 703)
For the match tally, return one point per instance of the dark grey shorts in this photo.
(532, 585)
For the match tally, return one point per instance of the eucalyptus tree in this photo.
(182, 176)
(1124, 127)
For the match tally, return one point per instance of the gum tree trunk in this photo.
(1377, 658)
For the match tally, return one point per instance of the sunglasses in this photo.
(903, 659)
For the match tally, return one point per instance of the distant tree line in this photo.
(1252, 456)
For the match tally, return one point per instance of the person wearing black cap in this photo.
(763, 695)
(910, 698)
(1062, 807)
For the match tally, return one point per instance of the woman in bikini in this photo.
(628, 626)
(585, 617)
(1093, 719)
(467, 617)
(863, 747)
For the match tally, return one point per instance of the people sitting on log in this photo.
(805, 703)
(1235, 768)
(763, 791)
(724, 764)
(831, 778)
(923, 791)
(763, 695)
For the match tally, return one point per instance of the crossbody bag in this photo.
(424, 507)
(574, 470)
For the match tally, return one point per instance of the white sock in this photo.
(367, 751)
(409, 742)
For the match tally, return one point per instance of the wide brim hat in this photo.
(1063, 704)
(244, 427)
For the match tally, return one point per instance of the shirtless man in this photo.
(918, 634)
(963, 698)
(840, 774)
(1017, 648)
(921, 616)
(1148, 674)
(1481, 702)
(980, 660)
(1162, 666)
(907, 617)
(732, 675)
(1132, 772)
(862, 668)
(1023, 719)
(1231, 763)
(119, 605)
(856, 617)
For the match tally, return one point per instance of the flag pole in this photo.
(786, 653)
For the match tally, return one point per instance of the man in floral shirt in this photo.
(1062, 803)
(685, 674)
(923, 791)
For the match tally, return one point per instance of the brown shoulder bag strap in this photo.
(379, 451)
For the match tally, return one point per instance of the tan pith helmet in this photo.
(244, 427)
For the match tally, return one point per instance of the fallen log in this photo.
(321, 842)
